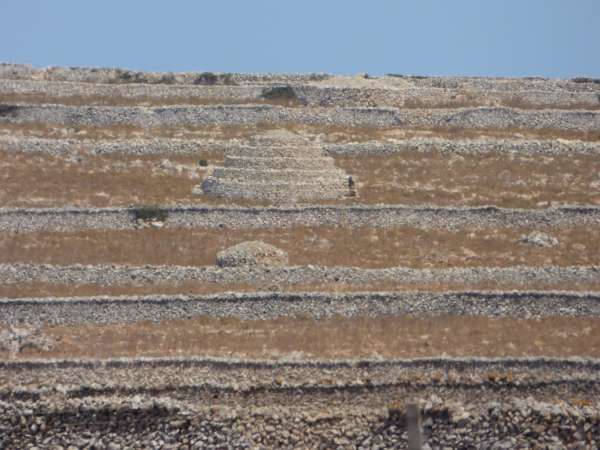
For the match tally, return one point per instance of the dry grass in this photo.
(508, 180)
(39, 180)
(464, 99)
(329, 246)
(468, 99)
(99, 100)
(337, 337)
(329, 133)
(411, 178)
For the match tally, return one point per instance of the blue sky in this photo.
(429, 37)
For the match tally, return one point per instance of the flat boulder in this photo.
(252, 253)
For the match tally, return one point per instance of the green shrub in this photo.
(585, 80)
(279, 93)
(8, 110)
(206, 78)
(149, 213)
(209, 78)
(203, 163)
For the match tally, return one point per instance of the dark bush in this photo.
(279, 93)
(209, 78)
(149, 213)
(585, 80)
(206, 78)
(126, 76)
(168, 78)
(203, 163)
(8, 110)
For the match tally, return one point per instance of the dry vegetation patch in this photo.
(105, 100)
(329, 246)
(329, 133)
(411, 178)
(337, 337)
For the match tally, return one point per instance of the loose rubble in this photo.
(252, 253)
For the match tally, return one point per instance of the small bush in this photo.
(279, 93)
(206, 78)
(126, 76)
(8, 110)
(203, 163)
(149, 213)
(209, 79)
(168, 78)
(585, 80)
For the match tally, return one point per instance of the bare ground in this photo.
(464, 99)
(102, 100)
(39, 180)
(331, 134)
(338, 337)
(328, 246)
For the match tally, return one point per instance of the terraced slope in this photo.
(443, 239)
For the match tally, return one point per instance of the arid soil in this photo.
(98, 100)
(328, 246)
(328, 133)
(37, 180)
(388, 337)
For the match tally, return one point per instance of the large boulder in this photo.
(252, 253)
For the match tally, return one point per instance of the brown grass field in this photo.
(328, 246)
(329, 133)
(38, 180)
(336, 337)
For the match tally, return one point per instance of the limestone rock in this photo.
(252, 253)
(539, 239)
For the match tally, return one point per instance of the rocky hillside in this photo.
(213, 260)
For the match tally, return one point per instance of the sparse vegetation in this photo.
(209, 79)
(585, 80)
(206, 78)
(8, 110)
(279, 93)
(149, 213)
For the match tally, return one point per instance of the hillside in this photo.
(405, 239)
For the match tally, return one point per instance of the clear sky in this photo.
(429, 37)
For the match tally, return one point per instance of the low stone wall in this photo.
(170, 116)
(70, 219)
(66, 147)
(115, 75)
(257, 306)
(110, 275)
(116, 423)
(313, 95)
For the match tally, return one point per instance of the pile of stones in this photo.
(280, 167)
(252, 253)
